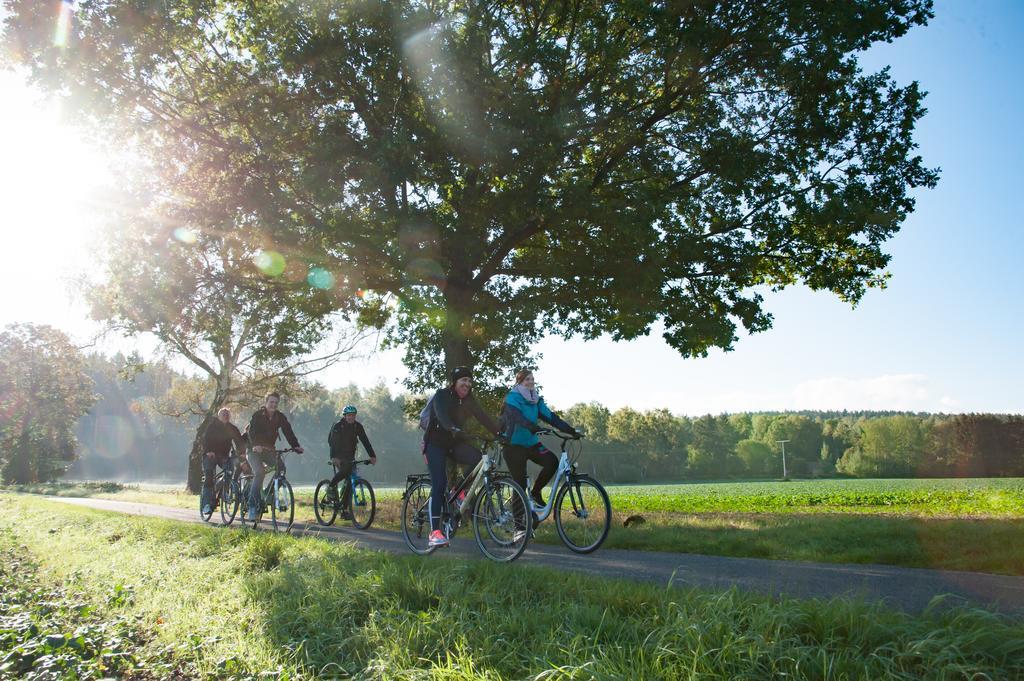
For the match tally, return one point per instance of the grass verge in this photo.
(251, 602)
(50, 632)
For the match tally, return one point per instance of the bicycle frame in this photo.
(566, 469)
(278, 474)
(471, 484)
(353, 476)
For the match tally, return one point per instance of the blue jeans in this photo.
(437, 463)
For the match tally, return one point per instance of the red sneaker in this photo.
(437, 538)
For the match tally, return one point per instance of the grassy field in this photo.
(235, 604)
(964, 524)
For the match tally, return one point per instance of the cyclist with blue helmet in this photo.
(343, 439)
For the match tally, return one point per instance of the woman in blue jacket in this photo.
(524, 407)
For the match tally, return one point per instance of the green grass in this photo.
(246, 602)
(49, 632)
(964, 524)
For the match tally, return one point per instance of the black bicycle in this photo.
(496, 504)
(277, 496)
(362, 505)
(226, 495)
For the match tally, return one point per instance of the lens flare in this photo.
(270, 263)
(185, 235)
(320, 278)
(60, 36)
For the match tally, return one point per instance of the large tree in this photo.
(244, 328)
(490, 172)
(44, 389)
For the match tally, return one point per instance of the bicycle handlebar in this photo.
(562, 436)
(363, 461)
(481, 438)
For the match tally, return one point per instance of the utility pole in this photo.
(783, 443)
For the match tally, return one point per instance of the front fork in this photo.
(579, 509)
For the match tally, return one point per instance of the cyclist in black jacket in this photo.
(344, 436)
(217, 441)
(262, 433)
(451, 407)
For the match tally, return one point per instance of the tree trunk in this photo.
(456, 351)
(195, 457)
(18, 469)
(457, 318)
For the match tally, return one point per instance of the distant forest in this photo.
(131, 435)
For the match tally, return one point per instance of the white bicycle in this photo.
(583, 512)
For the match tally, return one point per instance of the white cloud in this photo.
(905, 392)
(896, 392)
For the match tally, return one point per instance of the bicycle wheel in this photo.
(229, 498)
(245, 485)
(583, 514)
(363, 503)
(205, 501)
(416, 518)
(501, 524)
(261, 508)
(282, 506)
(326, 511)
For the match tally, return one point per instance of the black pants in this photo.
(342, 471)
(437, 456)
(516, 457)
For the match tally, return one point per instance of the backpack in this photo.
(427, 413)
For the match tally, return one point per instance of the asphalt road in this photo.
(908, 589)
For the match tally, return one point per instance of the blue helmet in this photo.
(349, 409)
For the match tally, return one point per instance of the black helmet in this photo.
(461, 372)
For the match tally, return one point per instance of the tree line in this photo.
(94, 417)
(628, 445)
(129, 435)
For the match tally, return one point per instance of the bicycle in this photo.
(362, 503)
(277, 496)
(588, 503)
(226, 495)
(496, 503)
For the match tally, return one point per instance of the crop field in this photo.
(960, 497)
(933, 497)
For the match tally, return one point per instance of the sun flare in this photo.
(49, 179)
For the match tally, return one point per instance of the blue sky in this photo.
(944, 336)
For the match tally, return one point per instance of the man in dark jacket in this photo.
(262, 432)
(217, 441)
(343, 439)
